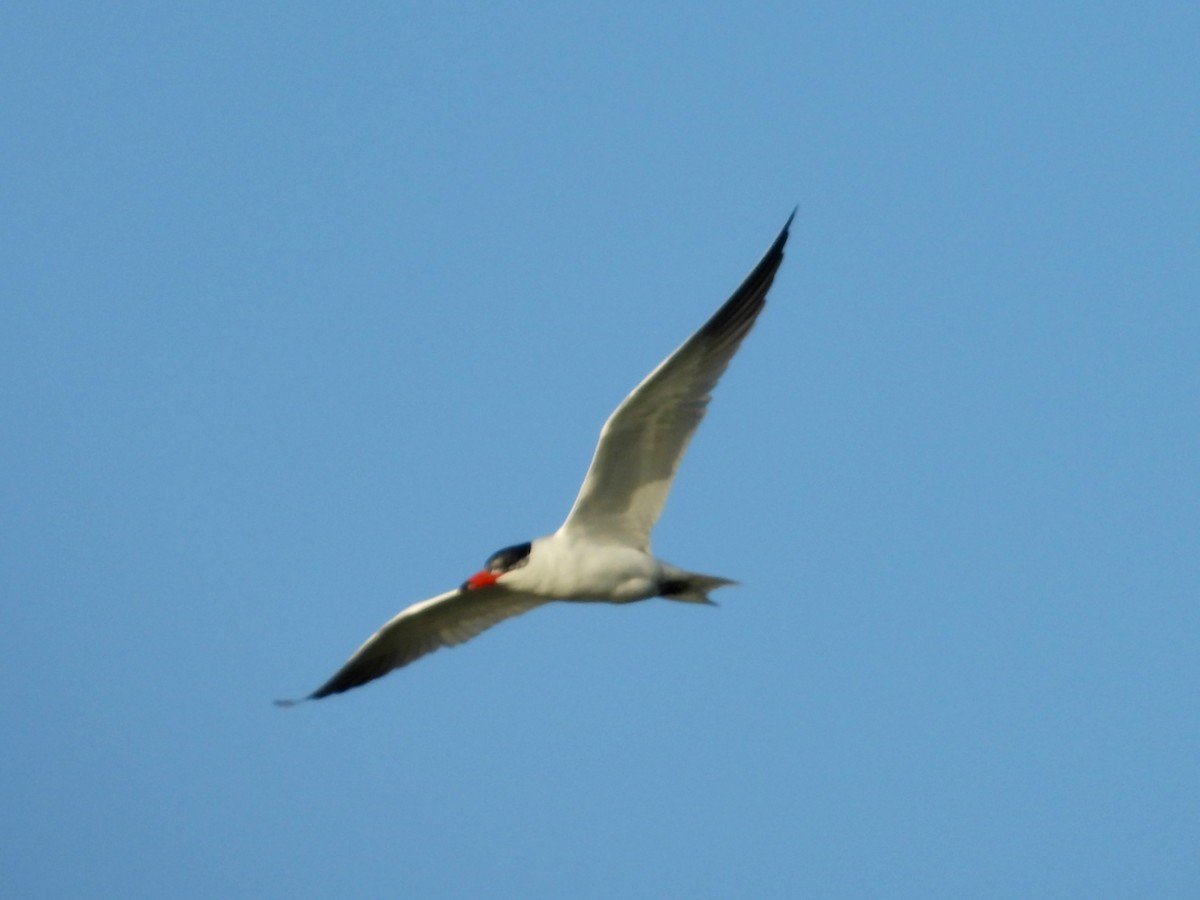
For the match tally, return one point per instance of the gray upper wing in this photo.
(644, 439)
(441, 621)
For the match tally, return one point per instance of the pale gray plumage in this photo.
(602, 550)
(442, 621)
(644, 439)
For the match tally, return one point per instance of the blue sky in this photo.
(308, 308)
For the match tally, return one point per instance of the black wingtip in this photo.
(774, 255)
(783, 234)
(765, 270)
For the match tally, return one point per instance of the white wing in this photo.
(441, 621)
(644, 439)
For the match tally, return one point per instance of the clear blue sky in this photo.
(308, 308)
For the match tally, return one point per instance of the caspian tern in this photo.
(602, 551)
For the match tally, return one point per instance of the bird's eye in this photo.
(509, 558)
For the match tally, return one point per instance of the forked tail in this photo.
(691, 587)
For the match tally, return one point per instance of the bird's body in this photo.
(601, 552)
(564, 567)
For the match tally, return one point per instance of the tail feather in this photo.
(691, 587)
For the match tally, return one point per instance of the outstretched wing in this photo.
(644, 439)
(441, 621)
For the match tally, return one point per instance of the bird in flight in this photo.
(602, 551)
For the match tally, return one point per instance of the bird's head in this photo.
(498, 564)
